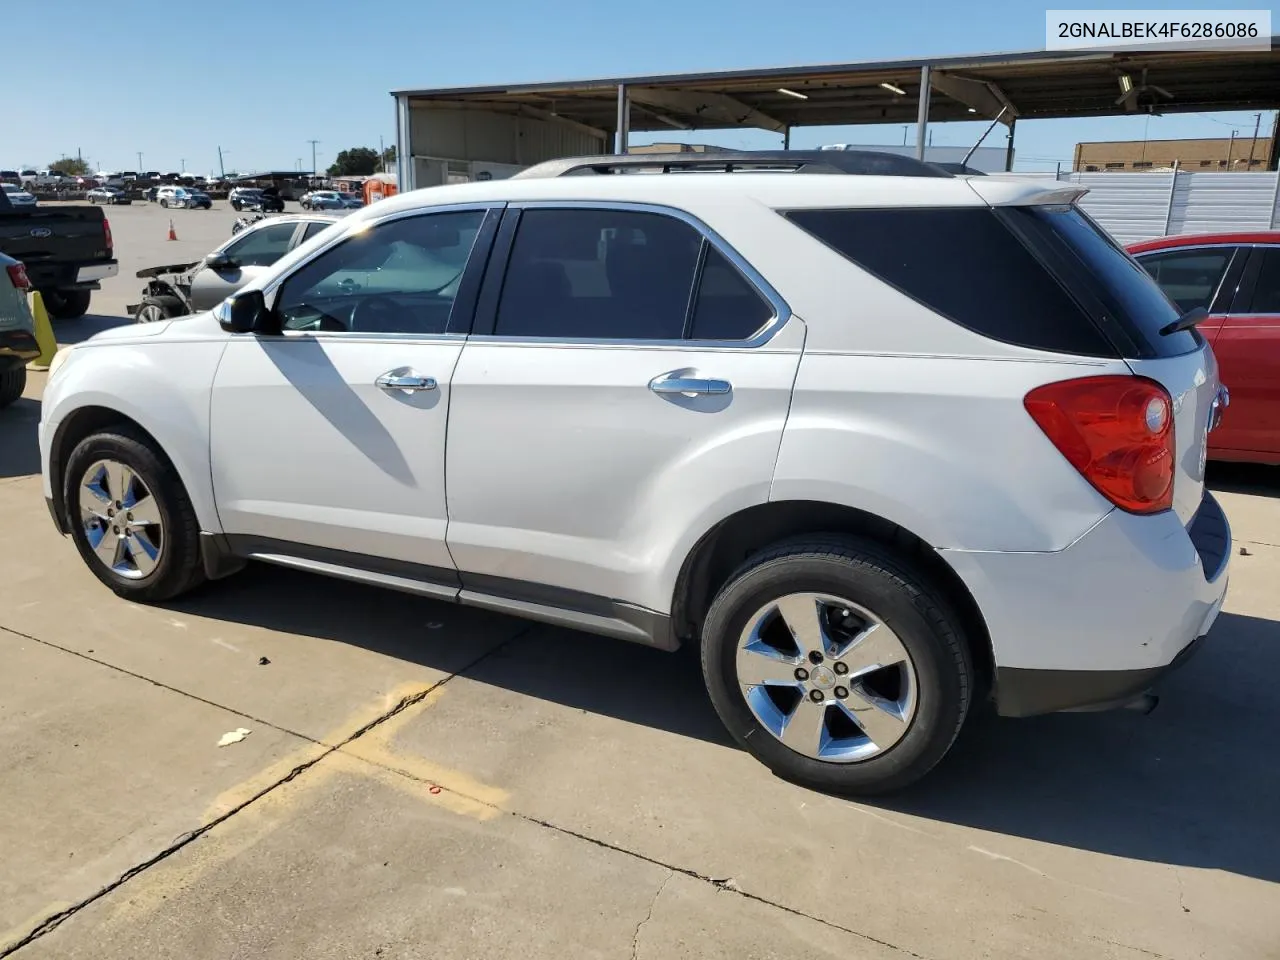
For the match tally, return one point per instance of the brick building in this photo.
(1221, 154)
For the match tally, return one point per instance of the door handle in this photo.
(405, 382)
(689, 386)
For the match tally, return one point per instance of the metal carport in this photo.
(463, 132)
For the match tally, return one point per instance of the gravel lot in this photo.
(422, 780)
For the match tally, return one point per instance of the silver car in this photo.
(19, 197)
(173, 290)
(17, 331)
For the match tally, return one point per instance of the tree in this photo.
(389, 158)
(70, 167)
(356, 162)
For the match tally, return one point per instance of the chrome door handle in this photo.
(405, 382)
(689, 386)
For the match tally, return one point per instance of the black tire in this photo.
(865, 573)
(179, 568)
(12, 382)
(168, 307)
(235, 205)
(66, 304)
(164, 202)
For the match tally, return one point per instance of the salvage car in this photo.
(174, 290)
(1235, 279)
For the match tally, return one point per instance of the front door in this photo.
(327, 442)
(1247, 345)
(629, 386)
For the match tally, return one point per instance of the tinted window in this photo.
(609, 274)
(1124, 289)
(1266, 294)
(261, 248)
(398, 277)
(966, 264)
(727, 307)
(313, 229)
(1189, 278)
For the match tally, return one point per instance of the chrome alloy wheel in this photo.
(826, 677)
(121, 519)
(150, 313)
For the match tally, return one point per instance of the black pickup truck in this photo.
(66, 250)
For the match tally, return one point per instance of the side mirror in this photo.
(245, 312)
(219, 261)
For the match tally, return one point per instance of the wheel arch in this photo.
(722, 549)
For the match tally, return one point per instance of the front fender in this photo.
(162, 386)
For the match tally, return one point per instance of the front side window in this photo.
(604, 274)
(396, 277)
(1189, 278)
(263, 247)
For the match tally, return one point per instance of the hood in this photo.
(128, 331)
(167, 268)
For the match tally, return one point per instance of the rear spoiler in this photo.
(998, 192)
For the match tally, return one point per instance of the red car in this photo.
(1236, 277)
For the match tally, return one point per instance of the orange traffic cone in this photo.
(173, 235)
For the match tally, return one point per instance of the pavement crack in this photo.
(1129, 946)
(635, 939)
(52, 922)
(1182, 892)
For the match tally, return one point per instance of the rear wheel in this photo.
(66, 304)
(837, 665)
(12, 382)
(131, 518)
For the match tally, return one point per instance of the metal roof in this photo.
(1034, 84)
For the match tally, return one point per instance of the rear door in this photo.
(251, 253)
(627, 382)
(1247, 344)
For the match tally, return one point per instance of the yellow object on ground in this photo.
(44, 334)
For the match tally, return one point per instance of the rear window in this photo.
(966, 264)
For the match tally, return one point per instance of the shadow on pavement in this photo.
(1193, 784)
(1252, 478)
(19, 446)
(77, 331)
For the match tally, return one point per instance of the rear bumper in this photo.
(70, 276)
(1097, 623)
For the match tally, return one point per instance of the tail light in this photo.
(18, 275)
(1117, 431)
(106, 230)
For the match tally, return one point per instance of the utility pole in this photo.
(182, 162)
(139, 161)
(1230, 148)
(1257, 123)
(313, 156)
(222, 171)
(904, 135)
(382, 153)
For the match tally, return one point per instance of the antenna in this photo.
(985, 133)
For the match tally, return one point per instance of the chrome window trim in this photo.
(1195, 248)
(270, 289)
(781, 311)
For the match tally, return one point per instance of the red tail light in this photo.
(1117, 431)
(18, 274)
(106, 229)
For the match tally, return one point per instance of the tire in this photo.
(158, 308)
(175, 568)
(12, 382)
(66, 304)
(930, 690)
(235, 205)
(164, 202)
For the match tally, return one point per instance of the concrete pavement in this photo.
(422, 780)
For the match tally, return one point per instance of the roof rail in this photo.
(856, 162)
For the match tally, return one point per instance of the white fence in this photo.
(1139, 206)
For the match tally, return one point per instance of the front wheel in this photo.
(154, 309)
(131, 518)
(837, 665)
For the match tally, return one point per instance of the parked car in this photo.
(67, 251)
(351, 201)
(266, 200)
(110, 195)
(17, 332)
(44, 180)
(183, 197)
(19, 198)
(174, 290)
(321, 200)
(872, 442)
(1235, 277)
(11, 176)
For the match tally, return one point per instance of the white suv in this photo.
(884, 445)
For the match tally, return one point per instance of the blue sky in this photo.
(262, 77)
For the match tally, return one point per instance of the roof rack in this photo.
(856, 162)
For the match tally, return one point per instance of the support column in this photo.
(1008, 150)
(404, 142)
(1273, 159)
(624, 120)
(786, 138)
(1173, 193)
(922, 118)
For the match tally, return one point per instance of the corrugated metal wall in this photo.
(1137, 206)
(494, 137)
